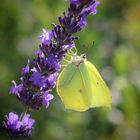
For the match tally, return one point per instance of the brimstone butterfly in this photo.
(80, 86)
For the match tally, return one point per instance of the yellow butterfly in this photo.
(80, 86)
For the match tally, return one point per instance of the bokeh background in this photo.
(115, 31)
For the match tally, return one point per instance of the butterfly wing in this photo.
(95, 87)
(70, 89)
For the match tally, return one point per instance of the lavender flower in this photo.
(19, 127)
(38, 81)
(74, 1)
(16, 89)
(46, 37)
(46, 98)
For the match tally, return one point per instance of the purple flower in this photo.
(27, 68)
(68, 47)
(40, 54)
(16, 88)
(58, 66)
(52, 79)
(74, 1)
(82, 22)
(46, 99)
(19, 127)
(27, 122)
(38, 80)
(92, 8)
(46, 37)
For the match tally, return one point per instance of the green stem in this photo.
(21, 117)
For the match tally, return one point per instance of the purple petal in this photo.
(27, 68)
(92, 8)
(46, 37)
(30, 123)
(25, 119)
(52, 79)
(38, 79)
(52, 61)
(18, 125)
(83, 22)
(40, 53)
(74, 1)
(69, 46)
(58, 66)
(46, 98)
(15, 89)
(34, 69)
(13, 121)
(12, 117)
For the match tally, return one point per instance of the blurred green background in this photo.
(116, 53)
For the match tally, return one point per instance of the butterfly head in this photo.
(77, 60)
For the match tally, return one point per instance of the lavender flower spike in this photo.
(19, 127)
(38, 81)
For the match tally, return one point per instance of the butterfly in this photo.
(80, 86)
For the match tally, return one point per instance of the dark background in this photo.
(116, 53)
